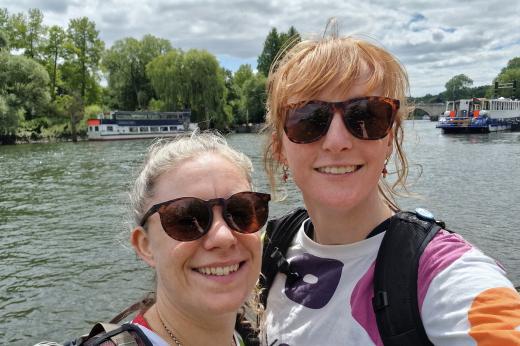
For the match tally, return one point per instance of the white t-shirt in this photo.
(463, 295)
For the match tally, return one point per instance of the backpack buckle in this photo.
(380, 300)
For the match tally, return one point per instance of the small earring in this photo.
(285, 173)
(385, 171)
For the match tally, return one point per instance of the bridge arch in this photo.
(433, 109)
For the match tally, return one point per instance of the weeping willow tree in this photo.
(192, 80)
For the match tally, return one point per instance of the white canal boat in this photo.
(138, 125)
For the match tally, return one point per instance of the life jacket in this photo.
(395, 276)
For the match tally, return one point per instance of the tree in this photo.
(34, 35)
(509, 74)
(289, 39)
(9, 117)
(275, 42)
(83, 54)
(255, 97)
(4, 43)
(125, 63)
(457, 86)
(205, 87)
(17, 29)
(53, 51)
(269, 52)
(167, 77)
(26, 82)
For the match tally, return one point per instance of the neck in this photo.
(190, 330)
(338, 227)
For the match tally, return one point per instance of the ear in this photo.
(141, 243)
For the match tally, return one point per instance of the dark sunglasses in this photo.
(189, 218)
(367, 118)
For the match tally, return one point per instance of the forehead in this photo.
(206, 176)
(339, 90)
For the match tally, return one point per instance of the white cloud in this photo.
(435, 40)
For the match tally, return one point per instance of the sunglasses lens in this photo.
(308, 123)
(185, 219)
(369, 118)
(247, 212)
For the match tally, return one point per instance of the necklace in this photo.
(174, 338)
(170, 333)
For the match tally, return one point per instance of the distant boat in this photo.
(137, 125)
(480, 115)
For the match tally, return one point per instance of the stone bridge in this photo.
(433, 109)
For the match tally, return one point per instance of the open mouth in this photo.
(219, 271)
(338, 169)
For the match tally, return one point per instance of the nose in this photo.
(220, 235)
(337, 138)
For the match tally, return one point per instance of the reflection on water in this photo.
(64, 258)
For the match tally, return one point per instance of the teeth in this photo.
(337, 170)
(219, 271)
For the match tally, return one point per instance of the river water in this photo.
(65, 261)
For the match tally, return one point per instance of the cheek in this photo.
(253, 244)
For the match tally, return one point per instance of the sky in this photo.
(434, 39)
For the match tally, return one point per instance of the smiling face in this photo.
(338, 171)
(213, 274)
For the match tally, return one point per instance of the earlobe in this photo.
(140, 241)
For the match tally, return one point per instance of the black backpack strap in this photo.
(246, 331)
(395, 279)
(277, 239)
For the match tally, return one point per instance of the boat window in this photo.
(164, 128)
(96, 128)
(132, 129)
(143, 129)
(90, 128)
(173, 128)
(154, 129)
(110, 128)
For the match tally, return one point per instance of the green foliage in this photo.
(255, 96)
(156, 105)
(458, 86)
(92, 111)
(205, 87)
(271, 47)
(54, 51)
(9, 117)
(27, 81)
(274, 45)
(4, 42)
(249, 105)
(125, 63)
(167, 76)
(509, 74)
(83, 53)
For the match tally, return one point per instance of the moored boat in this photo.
(138, 125)
(479, 115)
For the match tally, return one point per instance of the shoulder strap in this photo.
(395, 279)
(125, 334)
(277, 239)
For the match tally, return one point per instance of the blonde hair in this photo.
(166, 154)
(315, 64)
